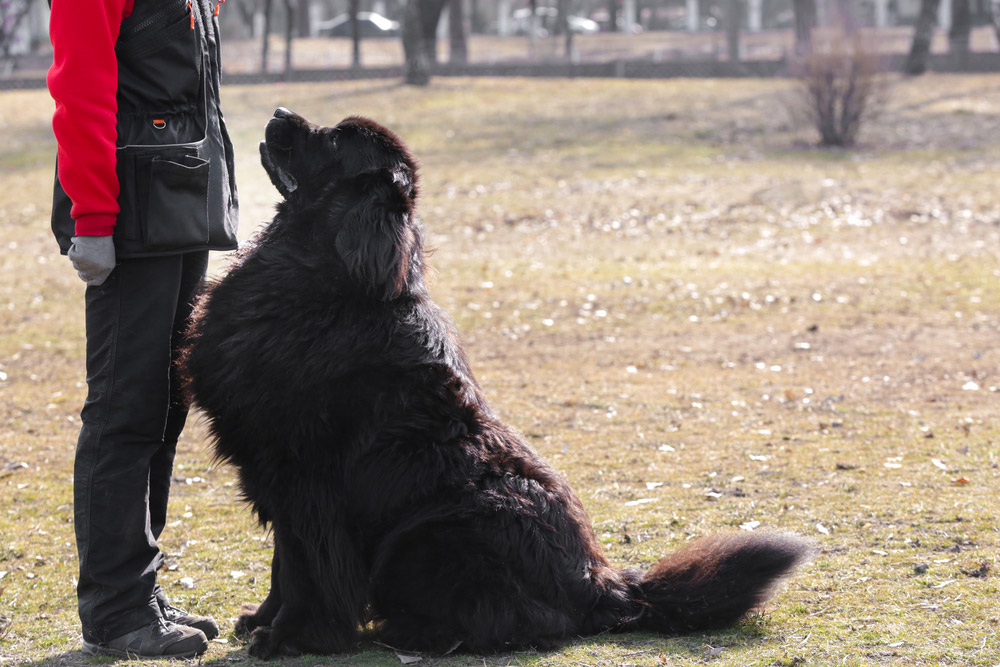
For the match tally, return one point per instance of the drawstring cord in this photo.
(218, 3)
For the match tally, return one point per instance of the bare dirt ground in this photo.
(703, 320)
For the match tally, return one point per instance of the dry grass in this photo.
(676, 300)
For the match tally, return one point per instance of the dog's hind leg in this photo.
(447, 583)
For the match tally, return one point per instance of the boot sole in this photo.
(98, 650)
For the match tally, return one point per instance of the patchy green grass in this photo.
(676, 298)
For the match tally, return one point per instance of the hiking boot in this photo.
(159, 639)
(181, 617)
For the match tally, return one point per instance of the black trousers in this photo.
(132, 418)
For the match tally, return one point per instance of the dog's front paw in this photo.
(247, 622)
(261, 643)
(266, 643)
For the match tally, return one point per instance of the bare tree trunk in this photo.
(533, 27)
(920, 50)
(562, 21)
(416, 68)
(732, 22)
(265, 36)
(458, 44)
(961, 27)
(12, 15)
(353, 7)
(246, 11)
(430, 16)
(612, 15)
(995, 14)
(289, 33)
(305, 18)
(474, 18)
(562, 26)
(805, 21)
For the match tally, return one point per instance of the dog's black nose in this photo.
(282, 112)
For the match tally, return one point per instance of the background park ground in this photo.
(703, 320)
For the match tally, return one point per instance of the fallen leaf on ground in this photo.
(712, 651)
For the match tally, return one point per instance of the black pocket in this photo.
(159, 58)
(176, 215)
(130, 177)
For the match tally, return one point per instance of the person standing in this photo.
(144, 189)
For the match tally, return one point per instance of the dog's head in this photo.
(355, 184)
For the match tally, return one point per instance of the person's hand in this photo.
(93, 258)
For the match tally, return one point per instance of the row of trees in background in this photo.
(420, 20)
(916, 62)
(494, 16)
(958, 33)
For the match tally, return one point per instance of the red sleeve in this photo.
(83, 81)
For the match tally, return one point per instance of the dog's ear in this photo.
(376, 239)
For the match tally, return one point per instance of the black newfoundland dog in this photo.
(341, 394)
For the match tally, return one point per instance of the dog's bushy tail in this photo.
(712, 582)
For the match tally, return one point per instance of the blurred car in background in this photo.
(583, 26)
(545, 23)
(370, 25)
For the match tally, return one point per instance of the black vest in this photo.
(175, 158)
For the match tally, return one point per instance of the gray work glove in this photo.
(93, 258)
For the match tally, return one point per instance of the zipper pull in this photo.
(191, 11)
(217, 3)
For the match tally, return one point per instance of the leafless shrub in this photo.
(842, 82)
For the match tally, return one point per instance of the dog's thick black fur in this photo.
(340, 392)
